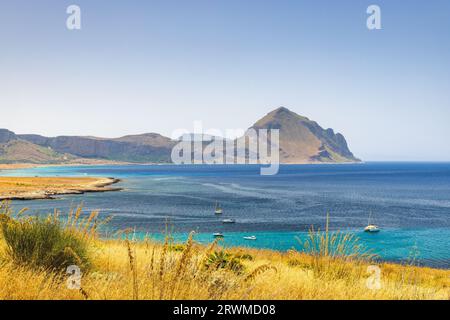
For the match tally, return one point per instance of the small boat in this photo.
(250, 238)
(218, 209)
(228, 221)
(218, 235)
(372, 228)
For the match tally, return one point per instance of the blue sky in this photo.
(157, 66)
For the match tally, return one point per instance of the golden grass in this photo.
(128, 269)
(154, 272)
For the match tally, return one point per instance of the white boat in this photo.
(218, 209)
(228, 221)
(250, 238)
(371, 227)
(218, 235)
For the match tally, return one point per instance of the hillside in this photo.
(150, 147)
(301, 141)
(15, 150)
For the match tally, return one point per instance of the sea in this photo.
(410, 202)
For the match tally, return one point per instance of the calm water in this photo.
(410, 201)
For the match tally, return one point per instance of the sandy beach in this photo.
(33, 188)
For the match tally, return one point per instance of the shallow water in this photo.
(409, 201)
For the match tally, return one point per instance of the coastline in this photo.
(265, 241)
(18, 166)
(40, 188)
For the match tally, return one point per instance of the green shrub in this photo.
(47, 243)
(222, 260)
(43, 243)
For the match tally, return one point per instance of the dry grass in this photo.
(127, 269)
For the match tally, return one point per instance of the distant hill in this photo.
(16, 150)
(301, 141)
(150, 147)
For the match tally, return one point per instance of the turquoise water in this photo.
(418, 246)
(409, 201)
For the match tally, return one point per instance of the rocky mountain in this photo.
(304, 141)
(301, 141)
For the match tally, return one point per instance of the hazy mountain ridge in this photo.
(16, 150)
(301, 141)
(138, 148)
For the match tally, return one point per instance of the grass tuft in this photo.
(48, 243)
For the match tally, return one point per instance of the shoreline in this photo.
(18, 166)
(45, 188)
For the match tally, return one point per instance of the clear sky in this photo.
(159, 65)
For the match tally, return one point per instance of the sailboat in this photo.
(371, 227)
(228, 221)
(218, 209)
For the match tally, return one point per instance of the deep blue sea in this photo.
(409, 201)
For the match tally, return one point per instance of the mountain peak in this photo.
(303, 140)
(283, 112)
(278, 117)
